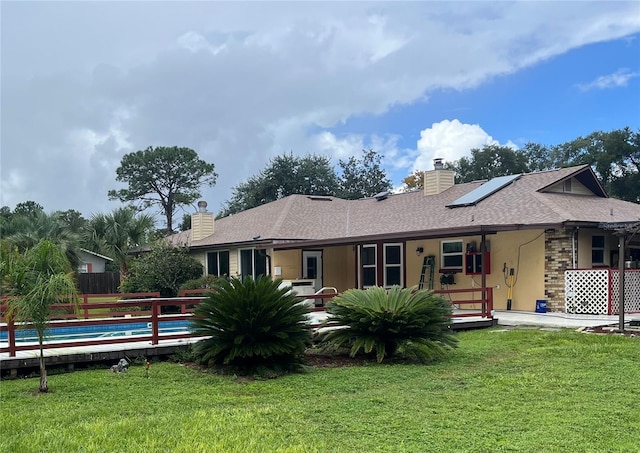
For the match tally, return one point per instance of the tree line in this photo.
(614, 157)
(310, 175)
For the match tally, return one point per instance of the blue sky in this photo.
(84, 83)
(588, 89)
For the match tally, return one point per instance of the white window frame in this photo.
(443, 255)
(374, 266)
(385, 266)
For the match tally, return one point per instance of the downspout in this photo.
(574, 237)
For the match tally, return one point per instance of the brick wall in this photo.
(557, 245)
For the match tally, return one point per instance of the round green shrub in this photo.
(252, 325)
(396, 322)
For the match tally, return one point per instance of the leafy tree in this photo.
(415, 181)
(36, 280)
(362, 177)
(163, 176)
(72, 219)
(19, 220)
(614, 156)
(28, 208)
(9, 255)
(285, 175)
(164, 269)
(115, 234)
(489, 162)
(541, 157)
(251, 324)
(185, 224)
(398, 322)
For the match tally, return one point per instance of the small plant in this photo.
(204, 282)
(184, 355)
(398, 322)
(252, 325)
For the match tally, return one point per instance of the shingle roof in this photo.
(522, 204)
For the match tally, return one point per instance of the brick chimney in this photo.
(438, 180)
(202, 222)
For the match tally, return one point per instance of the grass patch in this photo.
(519, 390)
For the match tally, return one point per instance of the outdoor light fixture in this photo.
(419, 251)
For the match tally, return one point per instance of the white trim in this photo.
(368, 266)
(96, 254)
(443, 254)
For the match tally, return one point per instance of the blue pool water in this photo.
(91, 332)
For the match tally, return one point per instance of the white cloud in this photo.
(195, 42)
(450, 140)
(108, 78)
(620, 78)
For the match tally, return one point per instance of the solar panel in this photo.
(480, 193)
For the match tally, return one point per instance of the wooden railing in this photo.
(469, 305)
(142, 311)
(134, 310)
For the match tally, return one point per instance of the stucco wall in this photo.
(504, 248)
(339, 267)
(289, 261)
(533, 271)
(584, 247)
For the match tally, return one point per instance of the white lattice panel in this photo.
(587, 291)
(631, 291)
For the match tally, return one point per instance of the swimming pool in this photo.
(98, 331)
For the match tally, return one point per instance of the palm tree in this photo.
(35, 280)
(115, 234)
(28, 231)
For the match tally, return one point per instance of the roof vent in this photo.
(381, 196)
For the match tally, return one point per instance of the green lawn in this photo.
(520, 390)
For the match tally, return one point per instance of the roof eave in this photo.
(414, 235)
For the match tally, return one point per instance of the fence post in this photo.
(85, 305)
(154, 321)
(11, 333)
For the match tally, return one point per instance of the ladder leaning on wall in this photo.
(428, 265)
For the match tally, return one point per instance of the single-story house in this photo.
(517, 234)
(92, 262)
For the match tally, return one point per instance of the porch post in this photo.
(621, 255)
(483, 254)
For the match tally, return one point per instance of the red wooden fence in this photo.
(146, 307)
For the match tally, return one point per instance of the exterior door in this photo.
(312, 267)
